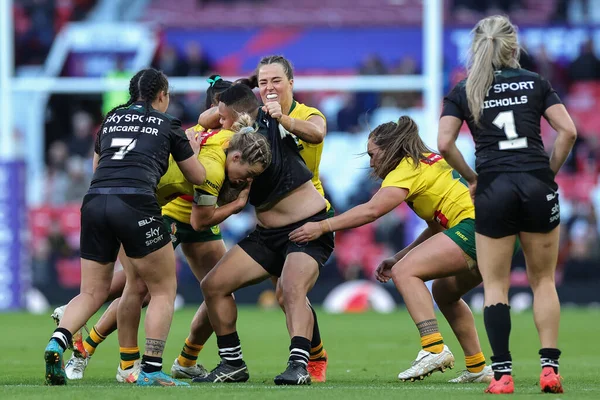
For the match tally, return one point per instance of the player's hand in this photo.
(242, 198)
(306, 233)
(194, 139)
(473, 189)
(273, 108)
(383, 273)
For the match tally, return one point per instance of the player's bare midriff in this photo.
(295, 206)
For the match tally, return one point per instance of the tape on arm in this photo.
(202, 198)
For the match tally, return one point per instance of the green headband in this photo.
(213, 81)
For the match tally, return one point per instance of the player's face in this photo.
(239, 172)
(227, 116)
(373, 151)
(274, 84)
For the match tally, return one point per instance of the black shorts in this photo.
(270, 247)
(109, 220)
(509, 203)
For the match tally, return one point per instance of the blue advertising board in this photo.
(14, 269)
(339, 49)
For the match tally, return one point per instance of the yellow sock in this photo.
(189, 354)
(475, 363)
(129, 355)
(92, 341)
(317, 352)
(433, 343)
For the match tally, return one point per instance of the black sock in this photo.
(151, 364)
(549, 358)
(299, 350)
(316, 336)
(63, 337)
(497, 325)
(230, 349)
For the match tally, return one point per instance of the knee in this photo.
(100, 296)
(291, 293)
(401, 275)
(441, 295)
(98, 293)
(438, 294)
(139, 289)
(209, 287)
(541, 282)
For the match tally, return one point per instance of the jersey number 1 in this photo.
(125, 145)
(505, 120)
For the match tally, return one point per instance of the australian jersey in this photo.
(134, 152)
(435, 190)
(508, 135)
(287, 170)
(310, 152)
(173, 185)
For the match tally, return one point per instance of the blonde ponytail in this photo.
(244, 124)
(495, 46)
(253, 146)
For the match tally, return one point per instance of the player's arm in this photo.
(561, 122)
(209, 119)
(97, 150)
(95, 161)
(185, 153)
(312, 130)
(384, 201)
(205, 216)
(192, 170)
(433, 227)
(383, 271)
(448, 130)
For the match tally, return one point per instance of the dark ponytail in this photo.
(217, 86)
(251, 81)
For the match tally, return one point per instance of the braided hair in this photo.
(134, 94)
(144, 85)
(150, 84)
(217, 86)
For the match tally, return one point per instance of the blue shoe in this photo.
(158, 379)
(55, 372)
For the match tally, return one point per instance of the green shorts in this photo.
(330, 212)
(184, 233)
(463, 234)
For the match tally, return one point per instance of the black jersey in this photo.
(135, 153)
(287, 170)
(508, 135)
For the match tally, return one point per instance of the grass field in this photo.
(366, 353)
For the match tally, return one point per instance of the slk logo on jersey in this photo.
(146, 221)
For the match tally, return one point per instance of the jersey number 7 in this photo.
(505, 120)
(125, 145)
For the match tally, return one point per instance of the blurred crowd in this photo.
(529, 11)
(36, 23)
(70, 138)
(349, 117)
